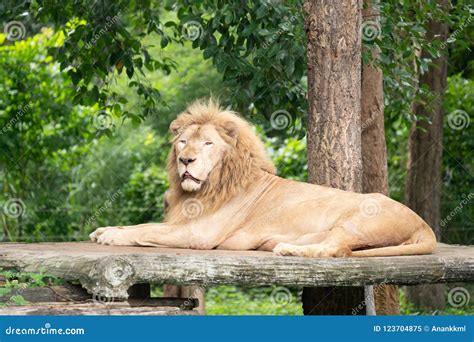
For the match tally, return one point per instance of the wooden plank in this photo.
(65, 293)
(111, 270)
(74, 309)
(181, 303)
(76, 294)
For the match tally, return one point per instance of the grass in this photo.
(230, 300)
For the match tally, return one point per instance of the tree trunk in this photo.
(374, 148)
(424, 183)
(334, 125)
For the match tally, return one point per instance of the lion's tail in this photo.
(425, 243)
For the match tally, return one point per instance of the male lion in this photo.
(224, 194)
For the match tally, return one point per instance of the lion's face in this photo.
(199, 151)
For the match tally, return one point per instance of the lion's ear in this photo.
(175, 127)
(231, 129)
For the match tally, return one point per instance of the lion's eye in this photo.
(182, 141)
(207, 143)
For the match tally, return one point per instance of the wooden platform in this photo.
(110, 270)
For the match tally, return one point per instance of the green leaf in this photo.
(18, 300)
(164, 42)
(130, 71)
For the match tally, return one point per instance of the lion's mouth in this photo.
(187, 175)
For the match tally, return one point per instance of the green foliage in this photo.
(407, 308)
(289, 156)
(39, 136)
(12, 279)
(193, 79)
(20, 280)
(18, 300)
(458, 144)
(102, 39)
(230, 300)
(122, 180)
(401, 37)
(259, 48)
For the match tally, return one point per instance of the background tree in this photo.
(373, 146)
(334, 131)
(425, 149)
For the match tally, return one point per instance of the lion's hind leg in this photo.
(334, 244)
(320, 250)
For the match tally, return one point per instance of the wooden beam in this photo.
(64, 293)
(111, 270)
(74, 309)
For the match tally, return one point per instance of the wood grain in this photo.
(94, 309)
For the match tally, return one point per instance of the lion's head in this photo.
(214, 154)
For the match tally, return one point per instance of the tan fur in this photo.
(244, 205)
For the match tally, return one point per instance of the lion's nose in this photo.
(187, 161)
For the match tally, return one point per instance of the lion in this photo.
(225, 194)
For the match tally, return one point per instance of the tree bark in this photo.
(334, 125)
(374, 148)
(425, 147)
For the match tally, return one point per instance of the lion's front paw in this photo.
(94, 236)
(117, 237)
